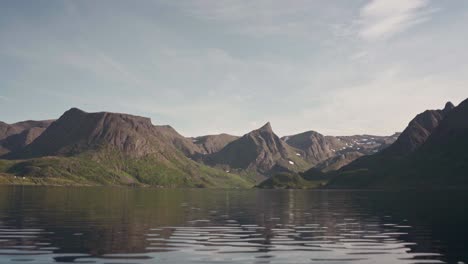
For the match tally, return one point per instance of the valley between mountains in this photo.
(81, 148)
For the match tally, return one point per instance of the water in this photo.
(118, 225)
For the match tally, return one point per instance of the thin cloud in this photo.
(380, 19)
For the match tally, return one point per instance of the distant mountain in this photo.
(118, 149)
(430, 153)
(328, 153)
(315, 146)
(15, 136)
(213, 143)
(260, 151)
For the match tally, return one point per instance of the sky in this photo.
(206, 67)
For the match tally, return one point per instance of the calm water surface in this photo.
(118, 225)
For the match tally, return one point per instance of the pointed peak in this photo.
(449, 106)
(266, 127)
(75, 110)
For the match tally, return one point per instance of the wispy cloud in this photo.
(257, 18)
(380, 19)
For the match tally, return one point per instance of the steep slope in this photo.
(260, 151)
(434, 155)
(112, 148)
(213, 143)
(418, 130)
(338, 161)
(77, 131)
(15, 136)
(170, 135)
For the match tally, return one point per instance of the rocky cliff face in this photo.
(260, 150)
(77, 131)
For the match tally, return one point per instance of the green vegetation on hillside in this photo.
(107, 167)
(289, 181)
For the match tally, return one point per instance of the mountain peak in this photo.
(266, 127)
(418, 130)
(77, 131)
(74, 110)
(448, 106)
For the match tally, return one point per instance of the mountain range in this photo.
(103, 148)
(430, 153)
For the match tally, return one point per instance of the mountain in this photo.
(260, 151)
(16, 136)
(329, 153)
(430, 153)
(213, 143)
(418, 130)
(315, 146)
(113, 148)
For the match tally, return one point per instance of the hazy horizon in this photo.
(203, 67)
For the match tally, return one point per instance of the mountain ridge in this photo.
(442, 152)
(262, 151)
(116, 148)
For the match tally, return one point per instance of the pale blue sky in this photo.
(204, 67)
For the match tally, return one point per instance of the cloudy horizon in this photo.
(207, 67)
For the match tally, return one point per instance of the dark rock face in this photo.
(260, 150)
(434, 156)
(16, 136)
(77, 131)
(418, 130)
(213, 143)
(454, 125)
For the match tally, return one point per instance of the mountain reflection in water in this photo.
(119, 225)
